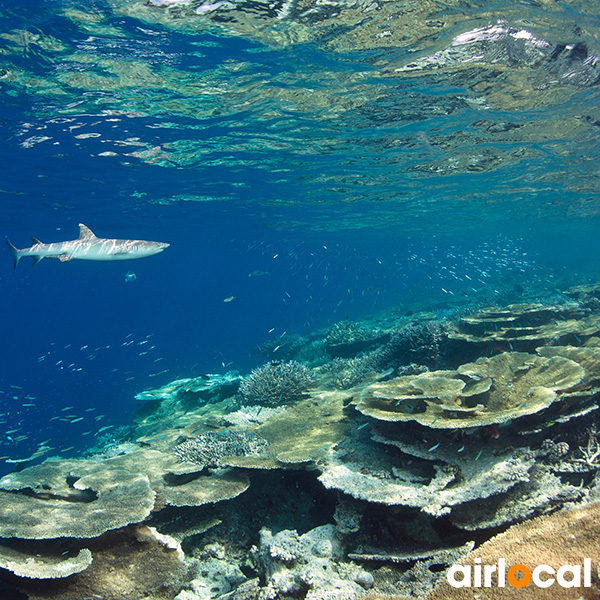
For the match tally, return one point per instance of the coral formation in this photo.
(212, 575)
(43, 566)
(192, 392)
(346, 339)
(72, 498)
(349, 372)
(523, 327)
(563, 538)
(85, 498)
(210, 448)
(276, 382)
(421, 435)
(127, 565)
(491, 390)
(302, 433)
(434, 488)
(164, 405)
(421, 342)
(309, 566)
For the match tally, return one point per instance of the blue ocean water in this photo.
(302, 169)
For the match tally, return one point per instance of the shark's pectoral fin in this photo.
(64, 257)
(85, 233)
(36, 259)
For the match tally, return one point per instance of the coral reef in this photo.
(488, 391)
(429, 566)
(287, 348)
(164, 405)
(24, 563)
(346, 339)
(210, 448)
(309, 566)
(522, 327)
(421, 342)
(128, 564)
(435, 484)
(276, 382)
(349, 372)
(74, 498)
(563, 538)
(212, 575)
(370, 473)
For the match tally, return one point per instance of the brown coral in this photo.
(566, 537)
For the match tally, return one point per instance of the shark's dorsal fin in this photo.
(35, 241)
(85, 233)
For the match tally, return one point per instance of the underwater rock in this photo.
(276, 382)
(310, 566)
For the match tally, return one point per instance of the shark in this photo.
(87, 247)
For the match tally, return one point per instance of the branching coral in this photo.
(348, 372)
(209, 448)
(420, 343)
(276, 382)
(345, 339)
(590, 453)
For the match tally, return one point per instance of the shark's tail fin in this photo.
(14, 252)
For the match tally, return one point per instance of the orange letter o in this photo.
(518, 583)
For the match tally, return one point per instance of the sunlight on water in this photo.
(403, 107)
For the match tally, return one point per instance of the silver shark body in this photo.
(87, 247)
